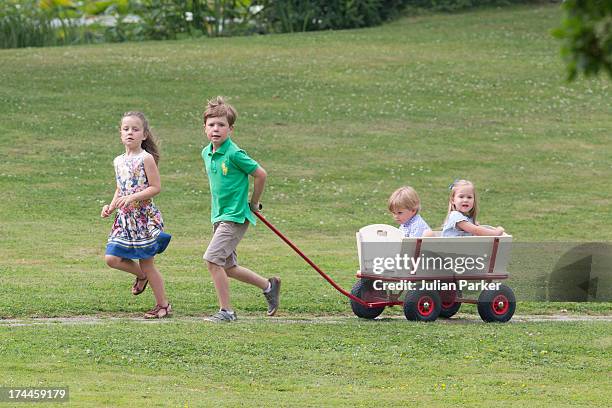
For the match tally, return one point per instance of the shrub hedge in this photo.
(25, 23)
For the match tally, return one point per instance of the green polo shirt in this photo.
(228, 170)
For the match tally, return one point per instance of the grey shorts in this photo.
(222, 248)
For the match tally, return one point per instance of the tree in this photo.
(586, 32)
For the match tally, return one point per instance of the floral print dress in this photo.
(137, 232)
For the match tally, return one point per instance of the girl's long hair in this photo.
(150, 144)
(460, 183)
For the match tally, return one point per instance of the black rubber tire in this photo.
(497, 305)
(422, 305)
(359, 289)
(448, 312)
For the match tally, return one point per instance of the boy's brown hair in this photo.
(217, 107)
(405, 197)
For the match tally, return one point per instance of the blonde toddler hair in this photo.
(453, 187)
(404, 197)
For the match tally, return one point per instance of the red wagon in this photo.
(425, 292)
(419, 280)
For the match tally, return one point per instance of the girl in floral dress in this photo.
(137, 234)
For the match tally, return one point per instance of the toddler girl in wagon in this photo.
(462, 212)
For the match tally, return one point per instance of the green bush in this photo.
(167, 19)
(22, 24)
(30, 23)
(161, 19)
(586, 32)
(310, 15)
(228, 17)
(457, 5)
(26, 23)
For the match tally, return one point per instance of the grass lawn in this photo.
(357, 363)
(339, 120)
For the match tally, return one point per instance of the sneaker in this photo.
(273, 295)
(223, 316)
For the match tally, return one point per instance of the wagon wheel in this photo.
(364, 289)
(496, 305)
(449, 306)
(422, 305)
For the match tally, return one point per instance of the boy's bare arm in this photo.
(259, 181)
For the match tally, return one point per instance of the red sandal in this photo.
(159, 312)
(135, 290)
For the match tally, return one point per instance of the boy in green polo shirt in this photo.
(228, 168)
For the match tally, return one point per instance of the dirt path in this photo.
(299, 319)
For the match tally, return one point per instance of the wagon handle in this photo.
(314, 266)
